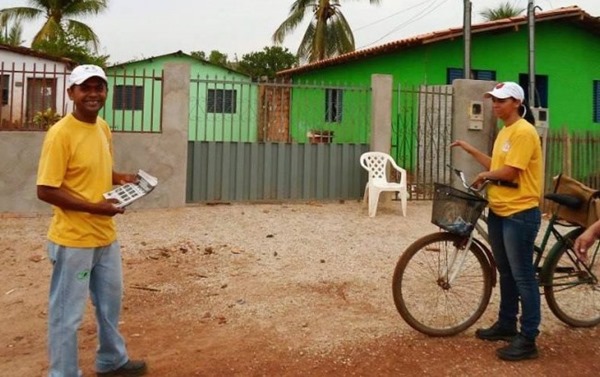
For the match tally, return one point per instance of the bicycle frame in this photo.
(539, 249)
(443, 281)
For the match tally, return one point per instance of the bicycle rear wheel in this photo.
(439, 287)
(571, 287)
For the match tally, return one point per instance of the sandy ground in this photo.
(263, 290)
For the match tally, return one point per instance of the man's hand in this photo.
(122, 178)
(108, 208)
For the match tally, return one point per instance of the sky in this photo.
(139, 29)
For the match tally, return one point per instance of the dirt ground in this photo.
(263, 290)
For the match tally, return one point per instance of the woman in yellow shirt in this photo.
(513, 221)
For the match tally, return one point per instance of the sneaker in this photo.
(520, 348)
(130, 368)
(496, 332)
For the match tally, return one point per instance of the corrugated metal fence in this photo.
(242, 171)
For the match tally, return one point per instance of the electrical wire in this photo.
(393, 15)
(425, 12)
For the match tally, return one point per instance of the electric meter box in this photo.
(476, 115)
(541, 116)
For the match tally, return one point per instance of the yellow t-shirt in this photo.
(77, 156)
(517, 145)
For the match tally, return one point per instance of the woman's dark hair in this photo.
(526, 113)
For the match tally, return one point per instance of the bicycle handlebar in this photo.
(497, 182)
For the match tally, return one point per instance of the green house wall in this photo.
(566, 53)
(238, 126)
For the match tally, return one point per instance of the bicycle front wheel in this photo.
(571, 286)
(439, 287)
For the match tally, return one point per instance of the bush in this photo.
(45, 119)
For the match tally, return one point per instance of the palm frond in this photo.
(504, 10)
(84, 32)
(84, 8)
(288, 26)
(20, 13)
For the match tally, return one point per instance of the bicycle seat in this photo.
(570, 201)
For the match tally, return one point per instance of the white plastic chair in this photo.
(376, 164)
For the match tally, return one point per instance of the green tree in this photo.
(215, 57)
(504, 10)
(266, 62)
(328, 33)
(199, 55)
(60, 16)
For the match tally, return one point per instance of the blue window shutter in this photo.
(453, 74)
(541, 89)
(485, 75)
(596, 102)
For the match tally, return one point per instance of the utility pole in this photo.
(467, 38)
(531, 24)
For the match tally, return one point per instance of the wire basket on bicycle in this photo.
(454, 210)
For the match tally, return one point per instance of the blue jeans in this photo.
(512, 239)
(75, 272)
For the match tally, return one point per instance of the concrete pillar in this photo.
(175, 123)
(381, 113)
(381, 125)
(164, 154)
(474, 122)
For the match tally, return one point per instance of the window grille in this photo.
(333, 105)
(128, 97)
(222, 101)
(5, 85)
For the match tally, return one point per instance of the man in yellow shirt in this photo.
(75, 170)
(513, 221)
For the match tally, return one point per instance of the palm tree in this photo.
(60, 22)
(328, 33)
(504, 10)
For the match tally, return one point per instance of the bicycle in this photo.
(443, 282)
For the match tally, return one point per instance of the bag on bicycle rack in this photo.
(454, 210)
(588, 213)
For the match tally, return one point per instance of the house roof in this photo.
(176, 54)
(37, 54)
(572, 14)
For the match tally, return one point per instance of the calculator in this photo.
(130, 192)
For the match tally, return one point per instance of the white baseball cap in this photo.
(84, 72)
(506, 89)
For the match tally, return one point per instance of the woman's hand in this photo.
(463, 144)
(480, 179)
(584, 241)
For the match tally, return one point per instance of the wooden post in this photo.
(567, 148)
